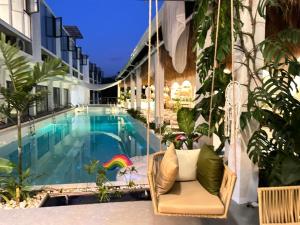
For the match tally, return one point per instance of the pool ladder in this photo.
(53, 118)
(31, 126)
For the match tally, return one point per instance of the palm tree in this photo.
(24, 77)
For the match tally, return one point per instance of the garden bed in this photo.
(92, 198)
(34, 201)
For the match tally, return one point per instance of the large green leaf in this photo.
(6, 166)
(186, 120)
(262, 6)
(203, 129)
(280, 46)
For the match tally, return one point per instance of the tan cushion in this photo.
(190, 198)
(187, 161)
(168, 171)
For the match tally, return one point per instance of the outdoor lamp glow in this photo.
(167, 89)
(186, 83)
(13, 112)
(175, 86)
(227, 71)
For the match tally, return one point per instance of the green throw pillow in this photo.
(210, 170)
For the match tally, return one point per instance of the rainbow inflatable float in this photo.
(120, 161)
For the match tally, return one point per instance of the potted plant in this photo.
(275, 146)
(188, 132)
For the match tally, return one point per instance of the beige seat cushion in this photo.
(168, 171)
(190, 198)
(187, 160)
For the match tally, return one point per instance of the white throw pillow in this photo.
(187, 161)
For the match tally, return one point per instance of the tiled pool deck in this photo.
(126, 213)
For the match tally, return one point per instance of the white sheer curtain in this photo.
(175, 33)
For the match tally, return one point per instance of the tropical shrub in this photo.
(19, 98)
(275, 146)
(9, 182)
(95, 168)
(136, 114)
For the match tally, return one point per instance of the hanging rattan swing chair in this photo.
(187, 198)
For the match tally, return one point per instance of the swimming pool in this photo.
(59, 149)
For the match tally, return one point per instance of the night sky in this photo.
(111, 28)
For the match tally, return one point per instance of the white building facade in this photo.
(40, 34)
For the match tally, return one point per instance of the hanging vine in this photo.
(206, 27)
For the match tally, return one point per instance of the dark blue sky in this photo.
(111, 28)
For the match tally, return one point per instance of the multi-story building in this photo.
(40, 34)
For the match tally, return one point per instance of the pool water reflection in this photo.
(57, 152)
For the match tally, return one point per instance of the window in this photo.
(71, 44)
(56, 98)
(42, 105)
(84, 60)
(66, 97)
(14, 13)
(74, 59)
(64, 46)
(47, 29)
(78, 52)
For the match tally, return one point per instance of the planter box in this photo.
(92, 198)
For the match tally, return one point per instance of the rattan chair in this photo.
(224, 197)
(279, 205)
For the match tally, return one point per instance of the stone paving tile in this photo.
(126, 213)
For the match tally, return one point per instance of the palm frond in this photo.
(47, 70)
(17, 65)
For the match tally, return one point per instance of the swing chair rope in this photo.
(214, 68)
(158, 60)
(149, 71)
(234, 111)
(148, 80)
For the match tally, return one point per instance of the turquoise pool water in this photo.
(58, 151)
